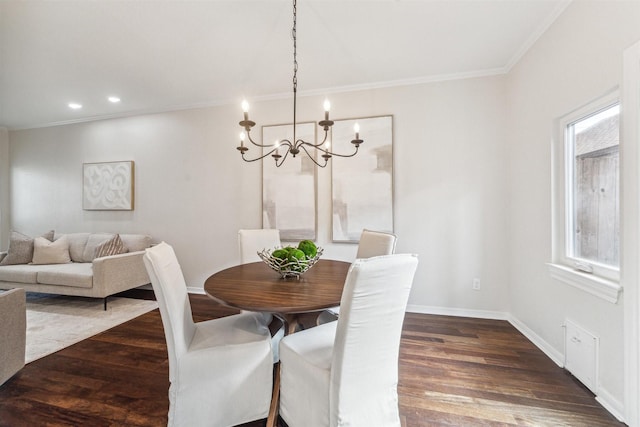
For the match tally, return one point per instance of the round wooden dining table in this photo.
(256, 287)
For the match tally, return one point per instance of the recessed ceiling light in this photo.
(114, 99)
(75, 106)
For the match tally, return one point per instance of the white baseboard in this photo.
(460, 312)
(552, 353)
(611, 404)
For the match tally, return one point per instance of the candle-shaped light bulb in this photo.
(327, 107)
(327, 145)
(277, 145)
(245, 109)
(242, 137)
(356, 129)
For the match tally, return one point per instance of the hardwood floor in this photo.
(453, 372)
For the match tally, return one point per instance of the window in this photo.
(587, 198)
(593, 158)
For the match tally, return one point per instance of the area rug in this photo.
(55, 321)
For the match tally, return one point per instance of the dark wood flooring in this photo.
(453, 372)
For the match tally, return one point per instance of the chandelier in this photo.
(294, 146)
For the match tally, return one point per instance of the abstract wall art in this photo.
(362, 185)
(289, 191)
(108, 186)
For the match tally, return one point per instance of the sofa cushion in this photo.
(21, 248)
(46, 252)
(77, 243)
(110, 247)
(20, 273)
(78, 274)
(95, 240)
(136, 242)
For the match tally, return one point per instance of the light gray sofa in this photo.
(85, 275)
(13, 332)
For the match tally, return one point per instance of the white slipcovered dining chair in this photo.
(345, 373)
(372, 243)
(252, 241)
(220, 370)
(13, 332)
(376, 243)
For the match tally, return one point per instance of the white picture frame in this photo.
(289, 191)
(362, 185)
(108, 186)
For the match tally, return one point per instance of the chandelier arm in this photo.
(302, 144)
(282, 159)
(326, 135)
(345, 155)
(257, 144)
(317, 147)
(311, 157)
(258, 158)
(287, 143)
(301, 141)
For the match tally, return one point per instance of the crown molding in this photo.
(537, 33)
(276, 96)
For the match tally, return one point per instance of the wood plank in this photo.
(453, 371)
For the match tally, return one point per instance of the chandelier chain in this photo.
(294, 146)
(295, 47)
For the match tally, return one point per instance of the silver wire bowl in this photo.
(287, 267)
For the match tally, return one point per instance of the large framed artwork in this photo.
(362, 186)
(289, 191)
(108, 186)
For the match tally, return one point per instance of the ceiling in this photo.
(169, 55)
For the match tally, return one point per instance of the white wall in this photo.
(631, 242)
(577, 60)
(472, 180)
(4, 187)
(193, 191)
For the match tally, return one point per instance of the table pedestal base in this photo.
(290, 321)
(291, 324)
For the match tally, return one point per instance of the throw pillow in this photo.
(20, 249)
(94, 240)
(46, 252)
(110, 247)
(77, 243)
(49, 235)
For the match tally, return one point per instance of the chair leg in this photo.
(105, 303)
(272, 419)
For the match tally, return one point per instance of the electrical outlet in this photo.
(476, 284)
